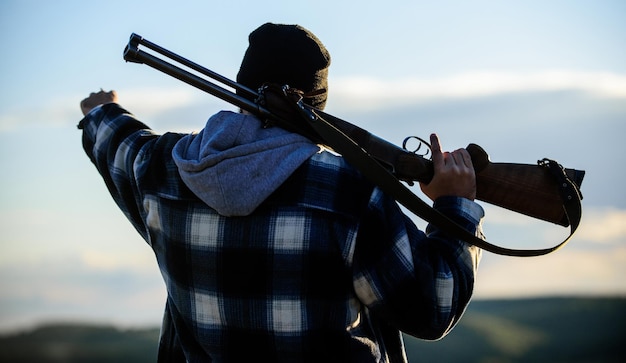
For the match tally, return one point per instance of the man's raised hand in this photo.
(453, 173)
(97, 98)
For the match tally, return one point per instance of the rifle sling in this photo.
(387, 182)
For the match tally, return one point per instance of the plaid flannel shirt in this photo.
(328, 268)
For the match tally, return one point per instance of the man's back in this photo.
(277, 283)
(273, 250)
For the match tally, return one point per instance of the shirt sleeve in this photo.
(112, 139)
(420, 281)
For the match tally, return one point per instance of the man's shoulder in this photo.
(326, 182)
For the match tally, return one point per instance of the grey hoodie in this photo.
(234, 163)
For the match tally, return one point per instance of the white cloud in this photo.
(108, 260)
(64, 111)
(603, 225)
(72, 288)
(598, 224)
(152, 101)
(371, 93)
(55, 114)
(594, 261)
(79, 264)
(347, 93)
(569, 271)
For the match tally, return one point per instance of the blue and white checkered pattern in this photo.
(326, 269)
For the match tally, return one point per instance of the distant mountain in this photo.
(73, 343)
(532, 330)
(529, 330)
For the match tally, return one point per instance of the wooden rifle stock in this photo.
(529, 189)
(525, 188)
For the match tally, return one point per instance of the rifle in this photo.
(545, 191)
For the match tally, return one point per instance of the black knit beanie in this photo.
(287, 55)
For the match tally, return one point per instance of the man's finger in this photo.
(435, 148)
(467, 159)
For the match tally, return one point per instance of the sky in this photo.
(523, 79)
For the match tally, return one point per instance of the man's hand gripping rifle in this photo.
(545, 190)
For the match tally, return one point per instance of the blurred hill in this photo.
(532, 330)
(528, 330)
(69, 342)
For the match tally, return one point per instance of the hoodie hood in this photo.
(234, 163)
